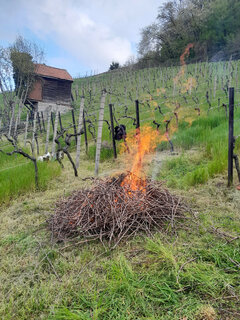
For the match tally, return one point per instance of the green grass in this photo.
(207, 132)
(210, 136)
(17, 176)
(193, 272)
(106, 153)
(189, 274)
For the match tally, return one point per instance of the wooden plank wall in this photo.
(57, 91)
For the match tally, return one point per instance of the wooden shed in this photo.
(51, 89)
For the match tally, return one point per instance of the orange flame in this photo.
(144, 141)
(141, 143)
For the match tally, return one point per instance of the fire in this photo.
(145, 141)
(141, 143)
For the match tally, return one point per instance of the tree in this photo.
(114, 65)
(212, 25)
(130, 63)
(17, 75)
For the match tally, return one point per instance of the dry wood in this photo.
(64, 148)
(112, 212)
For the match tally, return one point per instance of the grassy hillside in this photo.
(192, 273)
(194, 98)
(189, 273)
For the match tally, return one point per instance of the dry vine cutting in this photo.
(111, 211)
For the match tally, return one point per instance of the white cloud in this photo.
(92, 43)
(94, 32)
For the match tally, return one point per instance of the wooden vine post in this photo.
(137, 115)
(44, 129)
(54, 135)
(74, 126)
(80, 125)
(138, 137)
(112, 131)
(48, 130)
(26, 130)
(34, 130)
(230, 137)
(11, 120)
(85, 132)
(60, 120)
(16, 122)
(52, 120)
(100, 126)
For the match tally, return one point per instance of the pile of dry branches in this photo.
(112, 212)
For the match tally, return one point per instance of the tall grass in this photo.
(208, 134)
(163, 283)
(17, 176)
(106, 153)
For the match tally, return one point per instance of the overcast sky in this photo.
(78, 35)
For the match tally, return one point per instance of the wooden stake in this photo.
(100, 126)
(215, 87)
(54, 135)
(49, 115)
(18, 119)
(80, 122)
(26, 130)
(137, 114)
(43, 122)
(230, 136)
(52, 121)
(85, 132)
(16, 124)
(74, 125)
(60, 120)
(112, 130)
(34, 130)
(11, 121)
(39, 122)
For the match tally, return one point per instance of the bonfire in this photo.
(117, 208)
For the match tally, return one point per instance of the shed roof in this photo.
(51, 72)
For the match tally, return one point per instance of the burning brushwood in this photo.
(113, 210)
(117, 208)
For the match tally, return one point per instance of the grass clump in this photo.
(190, 273)
(19, 178)
(184, 171)
(208, 134)
(106, 153)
